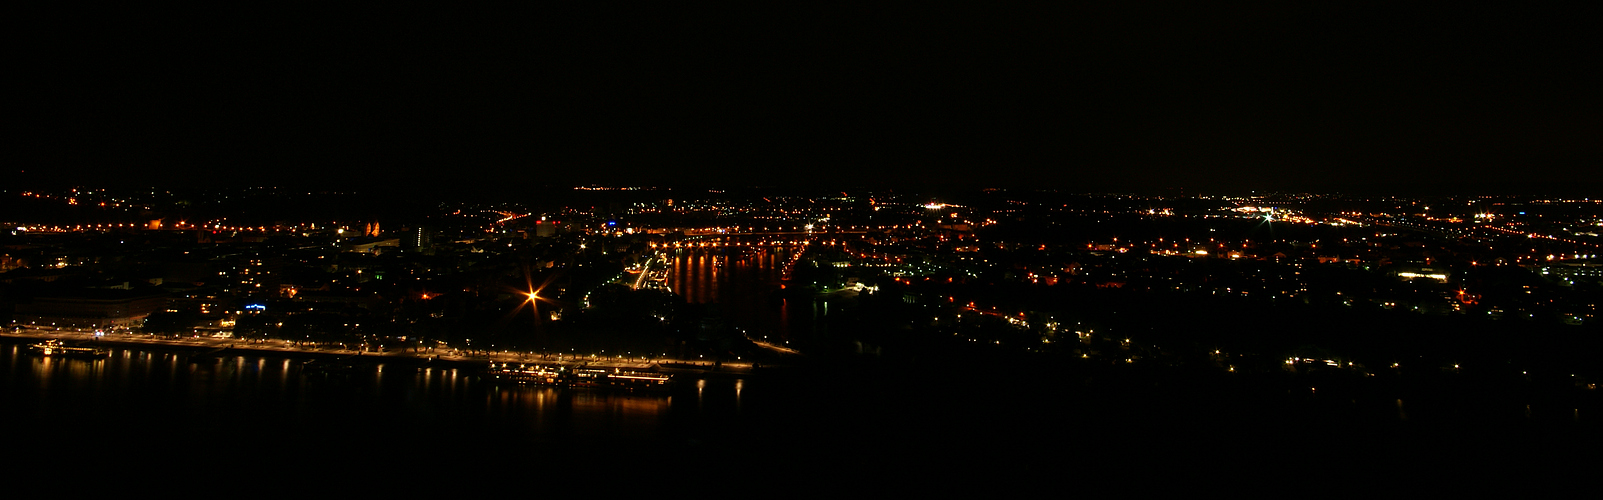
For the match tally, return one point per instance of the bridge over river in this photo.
(739, 278)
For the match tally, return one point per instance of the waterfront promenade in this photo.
(270, 347)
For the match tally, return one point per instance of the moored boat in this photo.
(56, 348)
(579, 376)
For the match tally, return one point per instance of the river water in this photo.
(173, 416)
(169, 401)
(739, 282)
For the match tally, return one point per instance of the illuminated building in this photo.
(1571, 271)
(420, 238)
(1437, 274)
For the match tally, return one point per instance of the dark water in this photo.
(740, 280)
(150, 413)
(168, 406)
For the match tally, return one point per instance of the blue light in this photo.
(614, 223)
(258, 307)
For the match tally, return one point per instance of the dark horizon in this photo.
(1357, 98)
(448, 191)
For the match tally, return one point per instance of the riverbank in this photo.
(271, 348)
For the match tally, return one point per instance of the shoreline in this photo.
(214, 346)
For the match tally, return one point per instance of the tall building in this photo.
(419, 238)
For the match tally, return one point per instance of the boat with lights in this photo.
(558, 375)
(56, 348)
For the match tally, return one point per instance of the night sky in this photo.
(1157, 98)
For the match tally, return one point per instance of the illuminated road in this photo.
(1514, 232)
(286, 347)
(645, 273)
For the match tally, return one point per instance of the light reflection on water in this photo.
(156, 390)
(741, 279)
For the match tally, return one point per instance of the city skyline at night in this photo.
(460, 245)
(707, 323)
